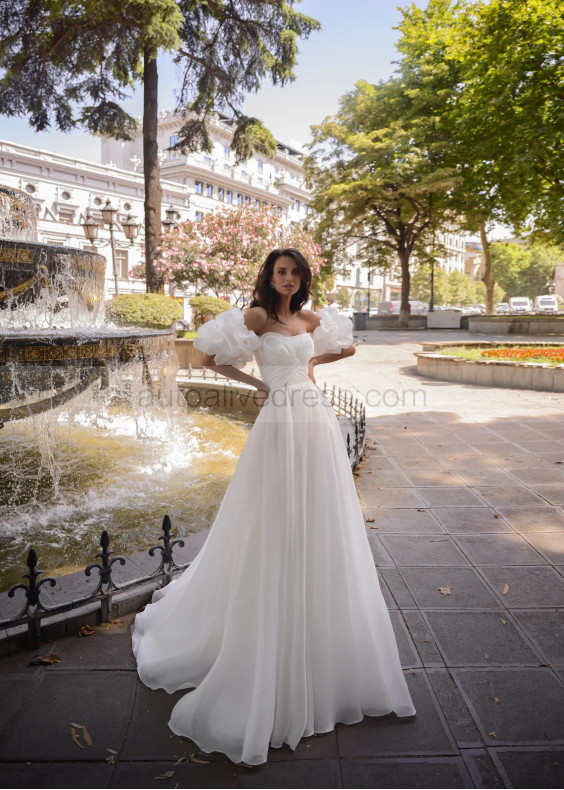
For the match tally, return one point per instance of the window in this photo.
(276, 170)
(226, 167)
(226, 151)
(260, 180)
(221, 193)
(297, 205)
(66, 216)
(243, 173)
(257, 202)
(199, 216)
(247, 199)
(122, 263)
(260, 165)
(207, 160)
(229, 197)
(199, 186)
(173, 141)
(239, 199)
(209, 190)
(65, 195)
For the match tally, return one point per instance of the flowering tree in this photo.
(224, 251)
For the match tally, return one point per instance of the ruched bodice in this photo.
(283, 359)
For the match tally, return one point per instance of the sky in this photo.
(356, 42)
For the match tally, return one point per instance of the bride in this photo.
(279, 623)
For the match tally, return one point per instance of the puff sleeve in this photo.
(228, 337)
(334, 333)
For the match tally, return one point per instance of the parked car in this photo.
(546, 304)
(417, 308)
(390, 308)
(348, 311)
(472, 309)
(520, 304)
(502, 308)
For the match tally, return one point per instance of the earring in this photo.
(271, 284)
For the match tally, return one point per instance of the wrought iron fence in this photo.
(35, 610)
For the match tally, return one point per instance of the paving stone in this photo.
(529, 709)
(455, 710)
(377, 463)
(528, 586)
(481, 768)
(406, 520)
(381, 556)
(396, 585)
(466, 638)
(470, 519)
(433, 478)
(539, 445)
(322, 745)
(412, 450)
(468, 590)
(426, 550)
(142, 774)
(408, 654)
(470, 463)
(389, 498)
(489, 478)
(388, 597)
(426, 734)
(386, 477)
(105, 649)
(530, 767)
(501, 496)
(449, 497)
(62, 698)
(552, 458)
(546, 629)
(531, 476)
(552, 492)
(433, 772)
(423, 639)
(419, 462)
(59, 775)
(499, 550)
(551, 544)
(534, 519)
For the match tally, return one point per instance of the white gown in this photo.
(279, 623)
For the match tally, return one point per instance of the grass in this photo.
(188, 334)
(476, 354)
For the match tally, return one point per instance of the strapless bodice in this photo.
(283, 359)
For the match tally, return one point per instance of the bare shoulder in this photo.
(311, 318)
(255, 318)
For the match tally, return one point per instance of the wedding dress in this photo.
(279, 623)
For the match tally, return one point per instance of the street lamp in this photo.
(109, 217)
(172, 215)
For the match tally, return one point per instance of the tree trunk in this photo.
(405, 288)
(488, 277)
(151, 169)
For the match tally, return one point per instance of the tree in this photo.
(376, 181)
(225, 249)
(522, 270)
(491, 75)
(68, 63)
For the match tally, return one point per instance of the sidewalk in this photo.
(463, 497)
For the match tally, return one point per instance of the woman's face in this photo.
(286, 275)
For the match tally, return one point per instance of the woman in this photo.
(279, 623)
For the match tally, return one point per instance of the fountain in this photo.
(94, 433)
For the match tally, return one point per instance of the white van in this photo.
(520, 304)
(546, 304)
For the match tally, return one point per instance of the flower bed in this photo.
(553, 355)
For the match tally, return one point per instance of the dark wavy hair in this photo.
(269, 298)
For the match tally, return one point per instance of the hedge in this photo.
(152, 311)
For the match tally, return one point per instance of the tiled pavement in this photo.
(464, 492)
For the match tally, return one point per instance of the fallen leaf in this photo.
(166, 775)
(112, 759)
(76, 725)
(113, 751)
(420, 509)
(50, 659)
(86, 630)
(380, 488)
(495, 515)
(370, 520)
(504, 621)
(445, 590)
(198, 761)
(374, 527)
(86, 736)
(181, 760)
(74, 736)
(116, 621)
(505, 589)
(412, 672)
(486, 655)
(496, 700)
(493, 734)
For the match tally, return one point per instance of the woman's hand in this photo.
(262, 395)
(310, 366)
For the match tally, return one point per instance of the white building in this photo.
(64, 188)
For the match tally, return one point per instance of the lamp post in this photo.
(109, 215)
(171, 220)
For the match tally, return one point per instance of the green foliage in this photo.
(524, 271)
(343, 296)
(376, 181)
(154, 311)
(204, 308)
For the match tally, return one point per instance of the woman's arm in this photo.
(322, 359)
